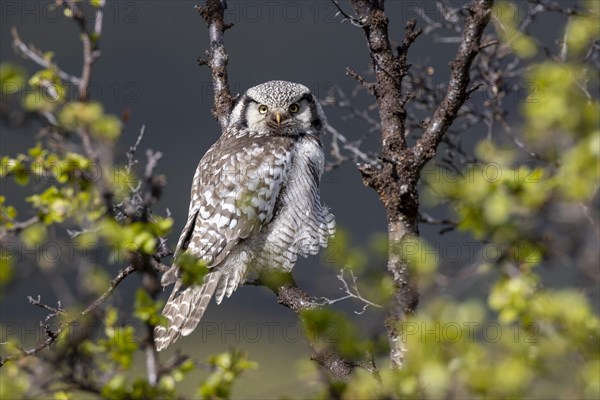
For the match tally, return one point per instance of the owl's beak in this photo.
(278, 117)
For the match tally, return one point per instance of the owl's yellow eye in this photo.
(294, 108)
(263, 109)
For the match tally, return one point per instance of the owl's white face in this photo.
(279, 107)
(296, 114)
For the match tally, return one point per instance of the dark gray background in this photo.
(148, 66)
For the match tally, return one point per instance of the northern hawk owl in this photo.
(255, 202)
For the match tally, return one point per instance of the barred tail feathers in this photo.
(184, 309)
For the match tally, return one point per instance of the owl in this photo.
(255, 203)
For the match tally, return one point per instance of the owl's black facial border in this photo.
(246, 100)
(316, 121)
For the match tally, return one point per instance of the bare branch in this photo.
(214, 15)
(54, 311)
(355, 153)
(99, 18)
(89, 40)
(396, 177)
(52, 336)
(368, 85)
(351, 293)
(154, 183)
(37, 57)
(297, 300)
(557, 7)
(456, 93)
(346, 16)
(17, 227)
(132, 149)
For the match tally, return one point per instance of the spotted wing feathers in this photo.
(234, 193)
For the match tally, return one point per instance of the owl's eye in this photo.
(294, 108)
(263, 109)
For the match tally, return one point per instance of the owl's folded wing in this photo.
(234, 195)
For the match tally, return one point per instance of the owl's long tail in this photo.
(184, 309)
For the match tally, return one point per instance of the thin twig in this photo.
(37, 57)
(52, 336)
(346, 16)
(17, 227)
(132, 149)
(351, 293)
(291, 296)
(89, 40)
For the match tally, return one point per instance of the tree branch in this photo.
(396, 177)
(213, 13)
(351, 292)
(52, 336)
(291, 296)
(17, 227)
(37, 57)
(456, 93)
(389, 72)
(89, 40)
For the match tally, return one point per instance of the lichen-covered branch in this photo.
(396, 176)
(389, 71)
(457, 91)
(214, 15)
(291, 296)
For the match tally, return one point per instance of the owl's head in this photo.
(279, 107)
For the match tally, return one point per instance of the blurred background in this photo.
(149, 71)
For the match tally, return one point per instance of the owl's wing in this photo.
(234, 194)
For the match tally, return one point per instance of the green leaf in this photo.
(107, 127)
(193, 270)
(331, 329)
(14, 382)
(12, 78)
(506, 17)
(6, 268)
(227, 367)
(148, 310)
(78, 114)
(34, 236)
(50, 87)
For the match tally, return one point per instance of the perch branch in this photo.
(297, 300)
